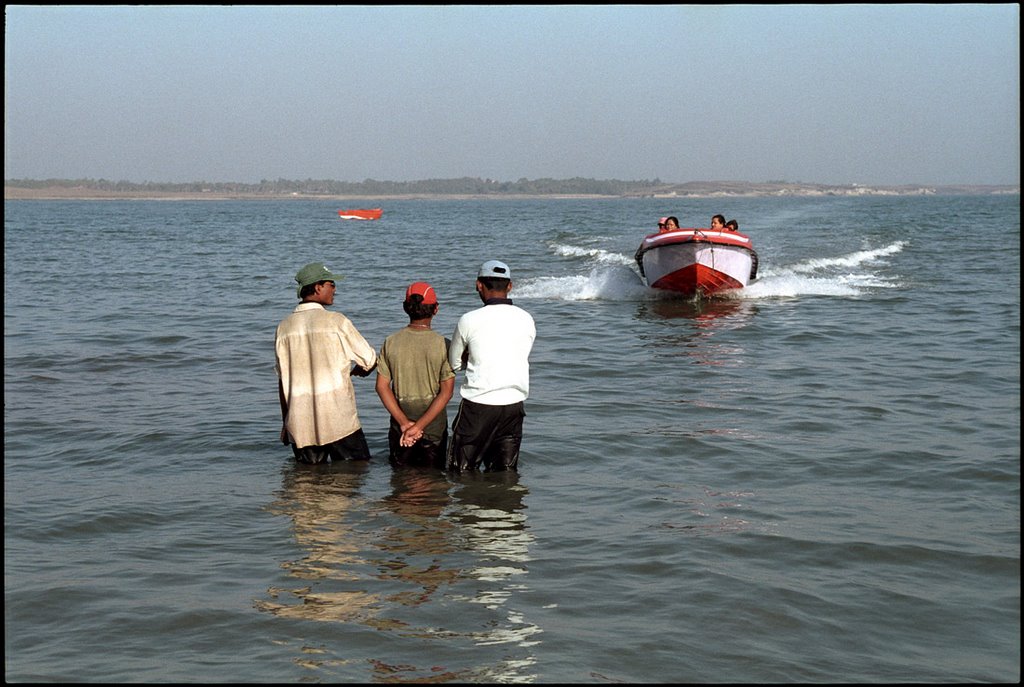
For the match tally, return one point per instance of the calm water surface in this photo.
(817, 480)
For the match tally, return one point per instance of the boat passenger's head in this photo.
(718, 222)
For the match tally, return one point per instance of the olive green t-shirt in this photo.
(416, 362)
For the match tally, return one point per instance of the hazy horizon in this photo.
(836, 94)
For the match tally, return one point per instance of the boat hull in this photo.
(372, 213)
(697, 262)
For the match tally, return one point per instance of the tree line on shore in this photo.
(367, 187)
(475, 186)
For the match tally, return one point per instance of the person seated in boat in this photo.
(732, 225)
(667, 224)
(718, 223)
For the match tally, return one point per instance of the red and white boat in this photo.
(373, 213)
(697, 261)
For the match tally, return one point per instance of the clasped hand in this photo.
(410, 435)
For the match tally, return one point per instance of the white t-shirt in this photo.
(496, 340)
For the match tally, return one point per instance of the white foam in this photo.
(598, 255)
(614, 277)
(602, 283)
(851, 260)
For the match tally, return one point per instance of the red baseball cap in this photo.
(424, 289)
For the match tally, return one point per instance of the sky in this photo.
(830, 94)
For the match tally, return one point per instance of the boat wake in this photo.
(852, 260)
(597, 255)
(609, 283)
(613, 277)
(854, 274)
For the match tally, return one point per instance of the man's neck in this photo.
(498, 300)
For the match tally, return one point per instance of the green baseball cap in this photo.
(314, 272)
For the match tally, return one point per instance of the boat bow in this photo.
(697, 261)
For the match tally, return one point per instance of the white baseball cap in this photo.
(495, 268)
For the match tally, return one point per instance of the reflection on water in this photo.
(710, 317)
(489, 509)
(491, 515)
(704, 311)
(440, 558)
(320, 500)
(418, 538)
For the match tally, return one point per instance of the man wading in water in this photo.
(492, 344)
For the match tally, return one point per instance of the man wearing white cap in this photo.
(492, 344)
(315, 349)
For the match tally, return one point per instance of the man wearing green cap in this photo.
(315, 349)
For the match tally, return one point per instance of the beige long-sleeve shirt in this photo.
(315, 349)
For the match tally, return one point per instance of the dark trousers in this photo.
(487, 436)
(424, 453)
(352, 447)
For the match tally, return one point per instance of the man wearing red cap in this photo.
(415, 383)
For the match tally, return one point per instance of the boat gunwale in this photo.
(688, 235)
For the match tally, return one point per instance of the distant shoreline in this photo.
(90, 194)
(685, 191)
